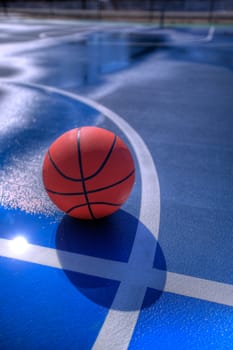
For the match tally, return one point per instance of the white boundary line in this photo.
(199, 288)
(211, 33)
(188, 286)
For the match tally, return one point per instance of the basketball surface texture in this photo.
(88, 172)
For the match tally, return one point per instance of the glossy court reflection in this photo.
(111, 241)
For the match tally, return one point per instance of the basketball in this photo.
(88, 172)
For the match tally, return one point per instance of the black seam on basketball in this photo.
(88, 177)
(59, 171)
(105, 160)
(81, 173)
(93, 203)
(92, 191)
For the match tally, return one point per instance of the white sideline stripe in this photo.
(142, 251)
(116, 324)
(198, 288)
(70, 261)
(188, 286)
(121, 335)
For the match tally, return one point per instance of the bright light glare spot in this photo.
(19, 245)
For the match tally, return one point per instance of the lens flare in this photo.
(19, 245)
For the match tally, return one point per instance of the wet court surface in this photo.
(158, 273)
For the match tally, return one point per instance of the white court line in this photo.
(70, 261)
(210, 34)
(188, 286)
(199, 288)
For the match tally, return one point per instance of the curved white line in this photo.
(118, 327)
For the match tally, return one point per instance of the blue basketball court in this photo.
(157, 274)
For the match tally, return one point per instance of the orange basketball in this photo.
(88, 172)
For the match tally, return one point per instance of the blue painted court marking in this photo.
(124, 322)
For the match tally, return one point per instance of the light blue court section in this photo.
(190, 113)
(40, 308)
(196, 210)
(181, 323)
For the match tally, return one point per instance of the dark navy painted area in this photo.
(39, 308)
(177, 322)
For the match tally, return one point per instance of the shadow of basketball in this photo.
(111, 239)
